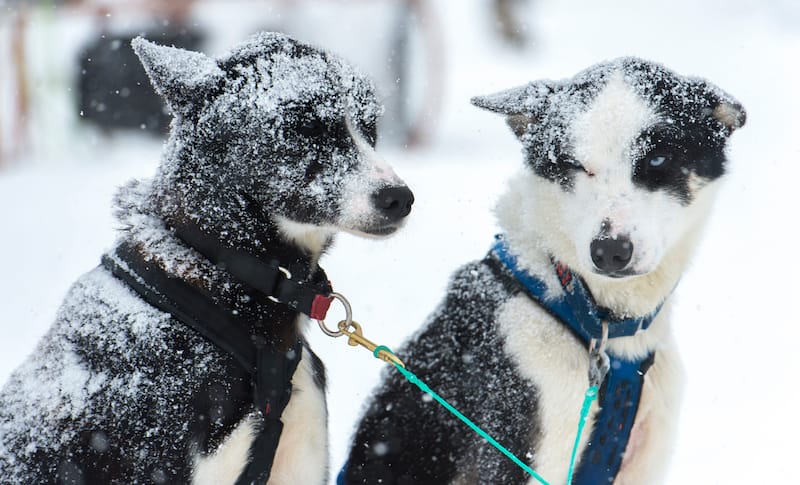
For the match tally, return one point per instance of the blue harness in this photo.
(622, 387)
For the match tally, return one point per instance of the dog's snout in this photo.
(394, 202)
(610, 255)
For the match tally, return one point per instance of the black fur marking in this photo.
(688, 132)
(689, 138)
(318, 369)
(672, 155)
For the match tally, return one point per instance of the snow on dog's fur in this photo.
(622, 163)
(270, 152)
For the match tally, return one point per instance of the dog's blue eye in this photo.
(657, 161)
(311, 128)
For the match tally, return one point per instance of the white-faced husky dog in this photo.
(180, 359)
(621, 166)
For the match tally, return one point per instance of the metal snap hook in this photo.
(599, 363)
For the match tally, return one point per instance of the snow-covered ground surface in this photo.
(735, 318)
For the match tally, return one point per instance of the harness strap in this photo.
(621, 389)
(291, 285)
(577, 307)
(271, 370)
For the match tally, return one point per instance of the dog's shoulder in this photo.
(474, 292)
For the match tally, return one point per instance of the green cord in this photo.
(589, 398)
(419, 383)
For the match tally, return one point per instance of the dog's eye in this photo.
(657, 161)
(571, 162)
(311, 128)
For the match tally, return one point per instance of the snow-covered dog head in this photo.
(620, 162)
(274, 130)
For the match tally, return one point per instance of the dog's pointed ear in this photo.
(730, 113)
(521, 105)
(721, 106)
(181, 77)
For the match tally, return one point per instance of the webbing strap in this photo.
(271, 370)
(576, 308)
(288, 282)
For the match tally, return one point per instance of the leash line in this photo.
(588, 399)
(412, 378)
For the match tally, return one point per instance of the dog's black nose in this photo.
(394, 202)
(611, 254)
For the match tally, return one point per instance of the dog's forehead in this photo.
(673, 98)
(281, 71)
(619, 100)
(613, 119)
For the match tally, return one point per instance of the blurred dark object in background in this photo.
(508, 16)
(113, 89)
(99, 82)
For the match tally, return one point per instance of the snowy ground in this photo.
(734, 319)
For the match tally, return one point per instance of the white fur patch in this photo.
(548, 355)
(556, 364)
(307, 236)
(228, 461)
(603, 133)
(302, 455)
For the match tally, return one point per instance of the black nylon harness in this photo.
(260, 355)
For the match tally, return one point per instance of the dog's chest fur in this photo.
(555, 362)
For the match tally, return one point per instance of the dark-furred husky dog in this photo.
(172, 362)
(622, 164)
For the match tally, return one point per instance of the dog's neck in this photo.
(191, 194)
(160, 242)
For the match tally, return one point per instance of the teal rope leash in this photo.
(424, 387)
(588, 399)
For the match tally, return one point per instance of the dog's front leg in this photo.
(302, 455)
